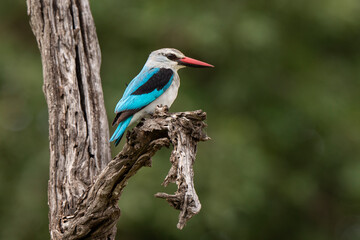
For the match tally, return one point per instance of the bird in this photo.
(157, 84)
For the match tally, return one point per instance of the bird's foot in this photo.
(161, 110)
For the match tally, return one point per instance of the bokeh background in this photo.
(283, 115)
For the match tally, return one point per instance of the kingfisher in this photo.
(156, 84)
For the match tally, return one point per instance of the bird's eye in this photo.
(171, 56)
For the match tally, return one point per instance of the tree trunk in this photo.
(85, 184)
(78, 126)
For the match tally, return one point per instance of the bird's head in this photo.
(174, 59)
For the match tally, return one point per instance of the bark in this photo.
(84, 183)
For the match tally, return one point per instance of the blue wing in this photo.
(145, 88)
(139, 80)
(142, 90)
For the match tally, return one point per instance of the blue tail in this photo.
(119, 132)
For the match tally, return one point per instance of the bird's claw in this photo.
(161, 110)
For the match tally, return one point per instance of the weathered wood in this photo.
(99, 204)
(185, 130)
(84, 183)
(78, 126)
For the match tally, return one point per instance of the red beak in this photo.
(190, 62)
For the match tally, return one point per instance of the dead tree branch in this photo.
(99, 204)
(85, 184)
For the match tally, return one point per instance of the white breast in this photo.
(167, 98)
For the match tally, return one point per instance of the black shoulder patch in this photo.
(157, 81)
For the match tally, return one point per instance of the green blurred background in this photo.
(283, 115)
